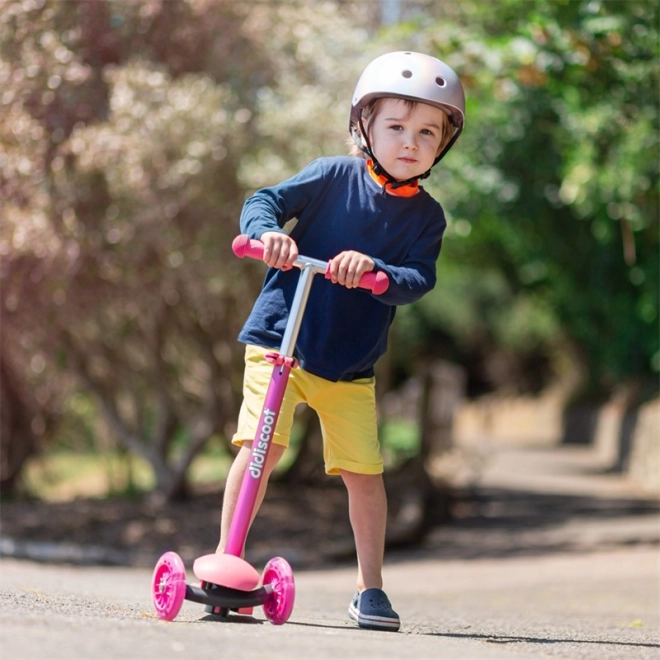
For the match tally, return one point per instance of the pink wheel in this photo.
(168, 586)
(279, 574)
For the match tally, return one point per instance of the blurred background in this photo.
(131, 133)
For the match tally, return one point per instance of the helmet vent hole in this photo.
(406, 74)
(441, 82)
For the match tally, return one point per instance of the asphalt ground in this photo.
(592, 605)
(555, 559)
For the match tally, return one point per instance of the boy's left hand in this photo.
(348, 267)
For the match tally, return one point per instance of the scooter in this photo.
(227, 581)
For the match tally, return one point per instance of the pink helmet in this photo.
(412, 76)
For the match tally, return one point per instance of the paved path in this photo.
(480, 589)
(600, 605)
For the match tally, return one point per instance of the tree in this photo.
(134, 133)
(552, 193)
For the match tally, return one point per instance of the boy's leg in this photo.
(233, 486)
(367, 504)
(347, 411)
(367, 508)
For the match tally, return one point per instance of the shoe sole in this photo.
(370, 622)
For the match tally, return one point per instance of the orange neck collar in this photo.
(409, 190)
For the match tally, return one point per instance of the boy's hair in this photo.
(372, 109)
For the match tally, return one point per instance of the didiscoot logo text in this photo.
(260, 446)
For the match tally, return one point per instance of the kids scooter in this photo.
(228, 582)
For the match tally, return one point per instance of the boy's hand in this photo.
(280, 250)
(348, 267)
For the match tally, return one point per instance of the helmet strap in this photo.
(450, 144)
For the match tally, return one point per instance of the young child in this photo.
(361, 215)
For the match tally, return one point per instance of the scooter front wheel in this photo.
(278, 608)
(168, 586)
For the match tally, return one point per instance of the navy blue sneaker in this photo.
(372, 609)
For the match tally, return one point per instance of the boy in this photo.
(360, 215)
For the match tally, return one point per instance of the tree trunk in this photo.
(442, 391)
(18, 440)
(417, 501)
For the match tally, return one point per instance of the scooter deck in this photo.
(227, 597)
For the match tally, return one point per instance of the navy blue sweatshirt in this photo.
(340, 207)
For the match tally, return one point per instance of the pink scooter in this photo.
(228, 582)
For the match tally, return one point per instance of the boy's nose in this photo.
(409, 141)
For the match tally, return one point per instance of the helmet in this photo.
(412, 76)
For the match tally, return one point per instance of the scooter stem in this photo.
(298, 308)
(254, 474)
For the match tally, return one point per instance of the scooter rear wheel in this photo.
(168, 586)
(278, 608)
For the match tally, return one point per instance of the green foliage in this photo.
(399, 440)
(552, 191)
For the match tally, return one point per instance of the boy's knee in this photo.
(362, 481)
(275, 453)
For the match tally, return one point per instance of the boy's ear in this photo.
(447, 132)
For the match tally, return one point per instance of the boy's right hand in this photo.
(280, 250)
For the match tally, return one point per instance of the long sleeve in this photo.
(416, 276)
(269, 209)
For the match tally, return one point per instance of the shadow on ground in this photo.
(309, 527)
(496, 522)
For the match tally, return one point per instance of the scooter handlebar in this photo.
(243, 246)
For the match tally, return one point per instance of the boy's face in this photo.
(406, 143)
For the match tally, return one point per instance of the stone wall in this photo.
(523, 420)
(644, 464)
(624, 441)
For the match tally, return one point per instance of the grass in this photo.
(63, 474)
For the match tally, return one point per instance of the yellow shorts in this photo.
(347, 412)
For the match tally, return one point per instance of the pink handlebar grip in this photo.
(377, 283)
(243, 246)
